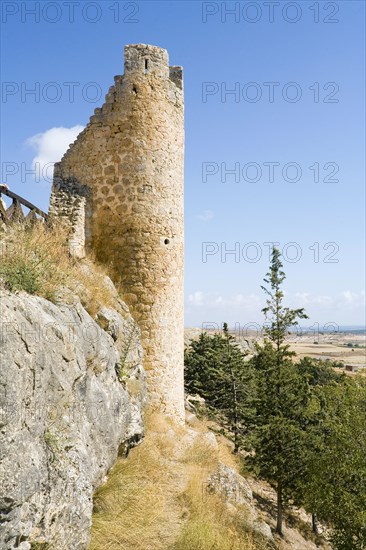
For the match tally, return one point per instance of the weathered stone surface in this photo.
(237, 492)
(231, 485)
(193, 403)
(64, 415)
(119, 189)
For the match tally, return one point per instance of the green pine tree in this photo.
(319, 375)
(336, 469)
(217, 370)
(278, 436)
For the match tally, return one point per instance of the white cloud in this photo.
(345, 307)
(196, 298)
(248, 301)
(50, 147)
(353, 298)
(324, 300)
(206, 215)
(254, 301)
(345, 298)
(302, 299)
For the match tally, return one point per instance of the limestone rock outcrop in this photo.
(237, 492)
(72, 391)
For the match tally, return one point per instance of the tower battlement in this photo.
(119, 189)
(143, 58)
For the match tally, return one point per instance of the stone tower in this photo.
(119, 187)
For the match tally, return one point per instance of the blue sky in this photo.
(309, 55)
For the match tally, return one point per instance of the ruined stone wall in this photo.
(120, 188)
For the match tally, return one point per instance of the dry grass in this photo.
(156, 499)
(89, 283)
(37, 261)
(34, 260)
(129, 507)
(210, 525)
(133, 510)
(226, 454)
(201, 455)
(225, 447)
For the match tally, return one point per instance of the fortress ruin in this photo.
(119, 190)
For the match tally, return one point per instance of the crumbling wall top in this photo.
(146, 59)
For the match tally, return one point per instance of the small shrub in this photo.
(122, 375)
(34, 260)
(19, 275)
(37, 261)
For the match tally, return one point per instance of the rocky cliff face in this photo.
(71, 395)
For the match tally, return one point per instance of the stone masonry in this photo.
(119, 189)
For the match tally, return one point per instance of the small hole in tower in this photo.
(146, 66)
(166, 241)
(134, 89)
